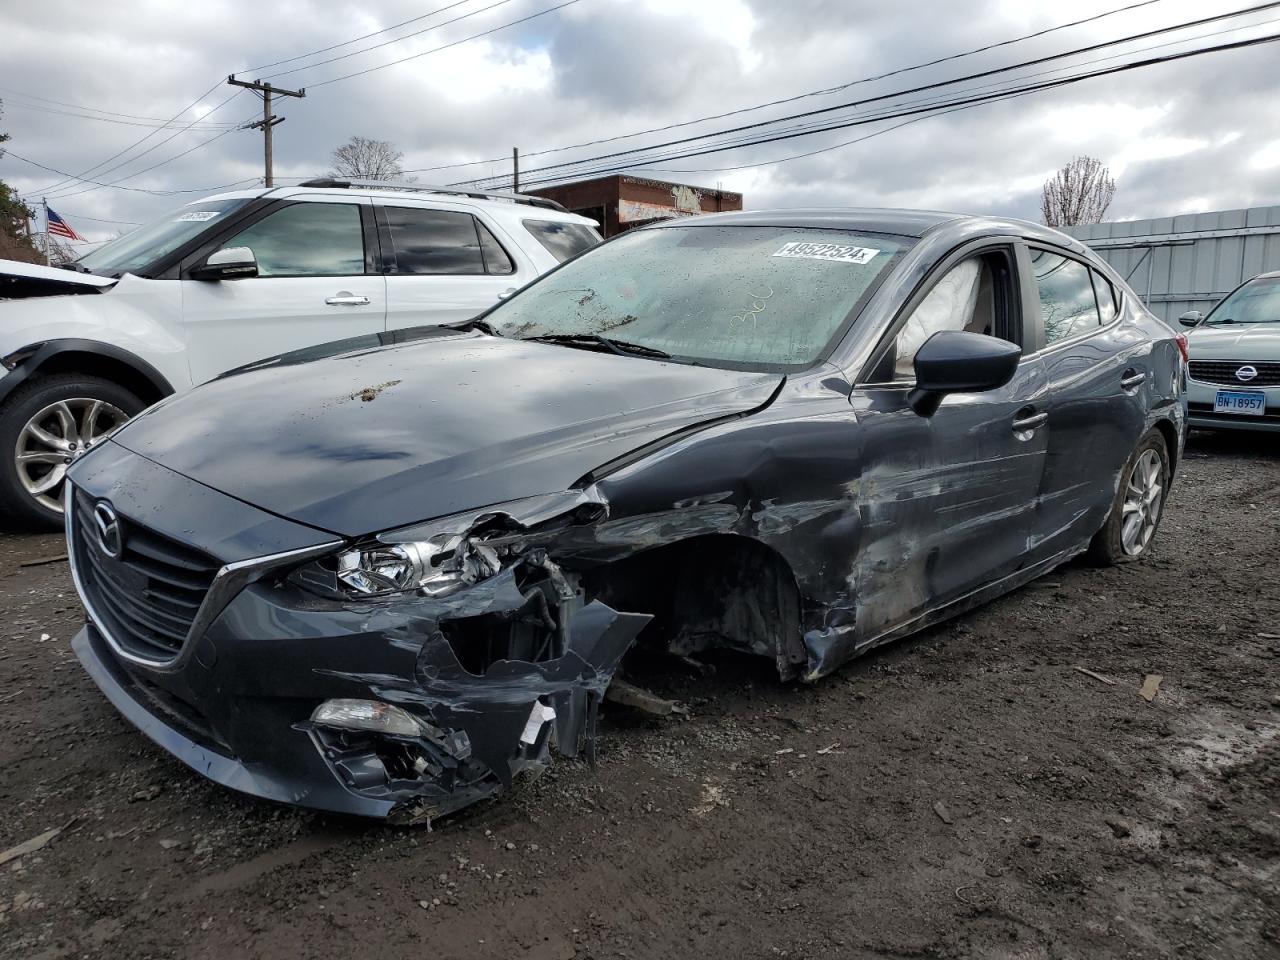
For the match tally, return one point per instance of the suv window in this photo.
(306, 240)
(562, 240)
(1067, 304)
(973, 295)
(434, 241)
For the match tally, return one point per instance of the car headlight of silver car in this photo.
(442, 557)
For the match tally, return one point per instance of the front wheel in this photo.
(1138, 506)
(44, 426)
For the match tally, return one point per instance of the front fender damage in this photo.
(504, 673)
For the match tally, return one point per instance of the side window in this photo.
(967, 297)
(562, 240)
(1067, 304)
(1106, 295)
(434, 241)
(496, 260)
(306, 240)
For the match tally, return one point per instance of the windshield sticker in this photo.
(198, 215)
(840, 252)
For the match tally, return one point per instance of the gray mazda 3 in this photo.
(391, 575)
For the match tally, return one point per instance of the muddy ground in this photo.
(965, 793)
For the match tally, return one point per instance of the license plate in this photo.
(1248, 402)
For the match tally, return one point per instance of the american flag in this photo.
(59, 228)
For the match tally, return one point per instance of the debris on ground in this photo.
(1097, 676)
(1150, 687)
(29, 846)
(943, 813)
(1119, 825)
(629, 695)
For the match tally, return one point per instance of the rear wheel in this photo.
(44, 426)
(1138, 507)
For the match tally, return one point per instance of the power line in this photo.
(820, 93)
(931, 109)
(155, 193)
(919, 89)
(475, 36)
(344, 43)
(79, 106)
(157, 124)
(376, 46)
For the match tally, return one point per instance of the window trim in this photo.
(1045, 347)
(214, 242)
(979, 247)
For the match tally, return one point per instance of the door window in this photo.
(1106, 295)
(433, 242)
(306, 240)
(496, 260)
(562, 240)
(968, 297)
(1067, 304)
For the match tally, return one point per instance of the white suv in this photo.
(236, 278)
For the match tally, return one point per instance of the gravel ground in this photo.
(965, 793)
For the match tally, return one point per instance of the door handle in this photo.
(1026, 421)
(345, 299)
(506, 293)
(1132, 379)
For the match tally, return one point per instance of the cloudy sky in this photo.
(87, 89)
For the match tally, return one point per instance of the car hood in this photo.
(1245, 341)
(18, 280)
(373, 440)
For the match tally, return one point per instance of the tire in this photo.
(33, 424)
(1149, 464)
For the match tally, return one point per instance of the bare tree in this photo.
(1079, 193)
(363, 159)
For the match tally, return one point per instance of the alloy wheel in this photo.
(54, 437)
(1143, 500)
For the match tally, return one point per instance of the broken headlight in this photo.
(440, 557)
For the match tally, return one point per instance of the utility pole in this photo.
(48, 249)
(515, 169)
(269, 120)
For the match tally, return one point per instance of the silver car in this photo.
(1235, 359)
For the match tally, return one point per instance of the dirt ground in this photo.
(965, 793)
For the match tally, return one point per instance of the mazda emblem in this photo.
(1245, 374)
(110, 538)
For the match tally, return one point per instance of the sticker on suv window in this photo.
(840, 252)
(197, 215)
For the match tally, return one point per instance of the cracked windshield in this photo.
(741, 296)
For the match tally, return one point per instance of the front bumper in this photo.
(1200, 402)
(235, 703)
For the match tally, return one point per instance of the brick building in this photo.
(619, 203)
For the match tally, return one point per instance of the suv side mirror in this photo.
(956, 361)
(1191, 318)
(229, 263)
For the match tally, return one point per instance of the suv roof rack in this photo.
(532, 201)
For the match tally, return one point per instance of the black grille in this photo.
(149, 595)
(1224, 372)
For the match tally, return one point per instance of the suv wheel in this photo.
(44, 426)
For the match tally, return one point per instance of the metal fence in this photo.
(1176, 264)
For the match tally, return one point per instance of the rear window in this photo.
(562, 240)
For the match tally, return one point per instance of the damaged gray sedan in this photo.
(390, 575)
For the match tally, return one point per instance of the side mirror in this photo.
(229, 263)
(956, 361)
(1191, 318)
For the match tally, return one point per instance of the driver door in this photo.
(947, 502)
(316, 283)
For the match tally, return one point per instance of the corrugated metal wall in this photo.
(1189, 262)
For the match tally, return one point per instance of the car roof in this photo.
(907, 223)
(495, 202)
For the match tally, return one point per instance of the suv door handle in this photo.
(1132, 378)
(1027, 420)
(346, 299)
(506, 293)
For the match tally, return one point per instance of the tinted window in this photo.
(754, 297)
(1066, 296)
(495, 258)
(1106, 295)
(434, 241)
(562, 240)
(306, 240)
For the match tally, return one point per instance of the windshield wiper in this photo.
(474, 324)
(622, 348)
